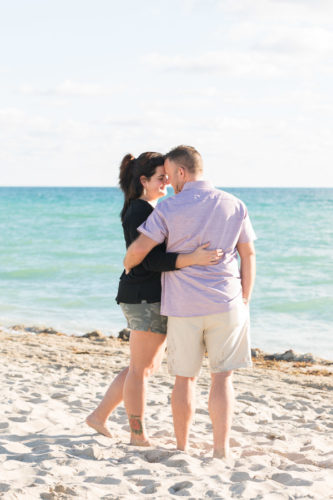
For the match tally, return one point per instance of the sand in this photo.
(281, 438)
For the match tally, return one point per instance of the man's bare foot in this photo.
(182, 449)
(98, 426)
(222, 454)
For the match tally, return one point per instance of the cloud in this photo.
(69, 88)
(13, 119)
(297, 39)
(233, 63)
(284, 9)
(255, 50)
(123, 122)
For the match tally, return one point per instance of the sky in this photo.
(247, 82)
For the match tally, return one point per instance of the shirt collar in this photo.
(198, 185)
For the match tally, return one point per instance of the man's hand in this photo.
(137, 251)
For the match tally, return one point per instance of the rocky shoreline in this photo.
(257, 354)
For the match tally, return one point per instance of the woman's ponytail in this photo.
(126, 180)
(131, 169)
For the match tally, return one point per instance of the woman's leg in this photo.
(113, 397)
(147, 349)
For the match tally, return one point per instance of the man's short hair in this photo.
(188, 157)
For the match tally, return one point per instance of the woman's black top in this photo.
(144, 281)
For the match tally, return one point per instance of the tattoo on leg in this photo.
(135, 424)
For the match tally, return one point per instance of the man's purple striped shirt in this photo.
(200, 214)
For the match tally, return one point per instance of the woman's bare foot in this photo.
(139, 442)
(100, 427)
(138, 433)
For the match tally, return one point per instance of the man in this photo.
(207, 307)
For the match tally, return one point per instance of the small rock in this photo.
(51, 331)
(96, 334)
(256, 353)
(124, 334)
(307, 358)
(290, 355)
(35, 329)
(17, 328)
(286, 356)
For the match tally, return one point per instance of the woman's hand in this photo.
(203, 257)
(200, 257)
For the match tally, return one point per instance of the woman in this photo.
(143, 182)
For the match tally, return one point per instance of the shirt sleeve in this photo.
(133, 222)
(247, 233)
(154, 227)
(159, 260)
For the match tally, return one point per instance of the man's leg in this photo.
(228, 346)
(221, 406)
(185, 352)
(183, 408)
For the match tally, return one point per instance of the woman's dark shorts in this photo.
(145, 317)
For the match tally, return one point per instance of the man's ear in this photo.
(182, 171)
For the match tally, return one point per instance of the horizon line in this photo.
(115, 186)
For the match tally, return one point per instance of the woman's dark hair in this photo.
(131, 169)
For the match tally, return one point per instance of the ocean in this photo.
(61, 252)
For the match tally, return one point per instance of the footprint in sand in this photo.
(156, 456)
(257, 467)
(252, 452)
(289, 480)
(234, 443)
(88, 452)
(239, 428)
(201, 411)
(59, 395)
(4, 487)
(237, 489)
(150, 488)
(213, 494)
(18, 419)
(162, 434)
(179, 464)
(239, 476)
(102, 480)
(138, 472)
(183, 485)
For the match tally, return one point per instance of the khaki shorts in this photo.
(225, 337)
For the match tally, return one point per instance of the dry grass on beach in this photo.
(281, 439)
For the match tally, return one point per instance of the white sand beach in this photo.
(282, 443)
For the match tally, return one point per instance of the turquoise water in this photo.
(61, 253)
